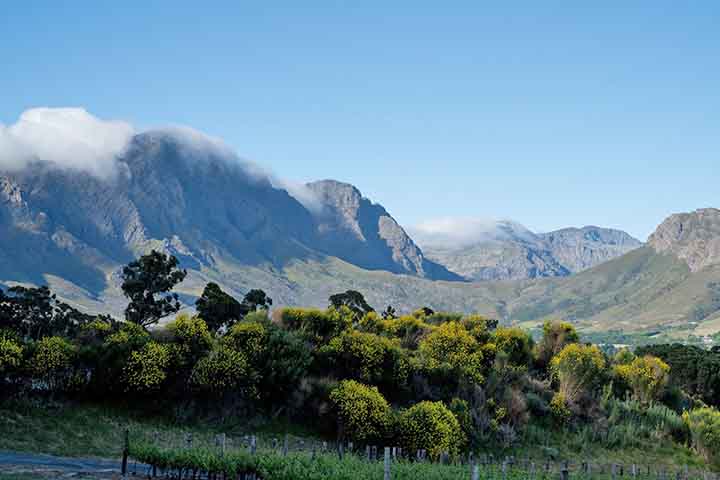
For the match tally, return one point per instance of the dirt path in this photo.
(48, 466)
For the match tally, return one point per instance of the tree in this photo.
(257, 299)
(147, 282)
(514, 342)
(704, 425)
(577, 368)
(220, 310)
(647, 376)
(34, 313)
(353, 300)
(556, 335)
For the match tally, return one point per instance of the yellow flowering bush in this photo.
(704, 425)
(223, 370)
(192, 334)
(363, 413)
(559, 408)
(146, 369)
(451, 346)
(247, 338)
(11, 353)
(515, 343)
(366, 357)
(647, 377)
(52, 361)
(430, 426)
(129, 333)
(577, 368)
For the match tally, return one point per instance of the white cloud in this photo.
(68, 137)
(74, 139)
(459, 232)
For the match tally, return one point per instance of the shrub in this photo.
(11, 352)
(192, 334)
(317, 325)
(578, 368)
(559, 408)
(430, 426)
(146, 369)
(248, 338)
(516, 343)
(130, 334)
(283, 365)
(365, 357)
(223, 370)
(450, 346)
(704, 425)
(362, 412)
(52, 362)
(647, 377)
(556, 335)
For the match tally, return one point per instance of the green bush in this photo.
(556, 335)
(430, 426)
(316, 325)
(647, 376)
(192, 334)
(223, 370)
(365, 357)
(11, 354)
(146, 369)
(514, 342)
(451, 347)
(248, 338)
(52, 362)
(704, 424)
(362, 412)
(578, 368)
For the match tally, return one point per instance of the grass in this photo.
(93, 431)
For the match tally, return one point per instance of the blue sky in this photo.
(549, 113)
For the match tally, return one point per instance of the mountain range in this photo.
(229, 222)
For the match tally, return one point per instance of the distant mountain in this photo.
(351, 227)
(505, 250)
(692, 237)
(194, 199)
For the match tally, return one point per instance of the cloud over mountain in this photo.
(74, 139)
(68, 137)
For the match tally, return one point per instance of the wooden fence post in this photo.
(126, 452)
(475, 472)
(286, 445)
(387, 463)
(253, 444)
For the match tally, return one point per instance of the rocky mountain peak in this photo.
(693, 237)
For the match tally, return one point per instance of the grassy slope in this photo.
(88, 431)
(636, 292)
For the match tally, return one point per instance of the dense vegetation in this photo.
(442, 382)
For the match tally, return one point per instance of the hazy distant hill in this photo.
(505, 250)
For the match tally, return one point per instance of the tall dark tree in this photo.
(147, 282)
(257, 299)
(218, 309)
(352, 299)
(34, 313)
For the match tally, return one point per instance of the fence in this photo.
(375, 462)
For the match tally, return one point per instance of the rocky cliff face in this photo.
(509, 251)
(196, 201)
(351, 227)
(578, 249)
(692, 237)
